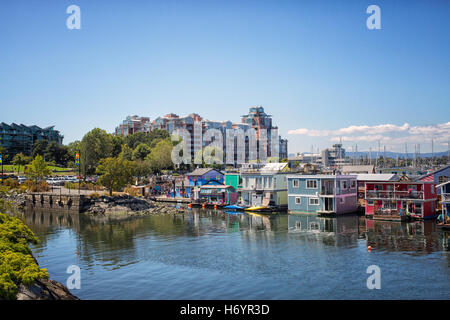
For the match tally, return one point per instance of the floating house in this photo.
(363, 178)
(444, 190)
(397, 200)
(233, 179)
(202, 176)
(324, 194)
(439, 176)
(265, 185)
(220, 195)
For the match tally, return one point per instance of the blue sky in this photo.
(313, 65)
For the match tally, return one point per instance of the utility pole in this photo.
(432, 152)
(448, 152)
(370, 155)
(77, 163)
(406, 154)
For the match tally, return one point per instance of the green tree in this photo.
(39, 147)
(20, 160)
(133, 140)
(141, 151)
(117, 142)
(141, 169)
(74, 148)
(160, 157)
(95, 145)
(38, 169)
(115, 173)
(57, 153)
(126, 153)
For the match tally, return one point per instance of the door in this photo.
(256, 199)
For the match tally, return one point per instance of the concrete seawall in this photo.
(55, 202)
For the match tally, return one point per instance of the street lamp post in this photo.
(1, 161)
(77, 162)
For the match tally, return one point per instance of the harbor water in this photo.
(208, 254)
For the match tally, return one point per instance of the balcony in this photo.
(327, 192)
(394, 195)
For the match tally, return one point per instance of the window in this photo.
(370, 202)
(298, 225)
(389, 205)
(298, 200)
(344, 184)
(295, 183)
(353, 184)
(313, 201)
(314, 225)
(442, 179)
(311, 184)
(341, 200)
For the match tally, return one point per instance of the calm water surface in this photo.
(206, 254)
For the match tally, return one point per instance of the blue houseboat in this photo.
(323, 194)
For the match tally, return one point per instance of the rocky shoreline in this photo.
(45, 289)
(109, 207)
(125, 206)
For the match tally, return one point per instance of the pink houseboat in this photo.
(400, 200)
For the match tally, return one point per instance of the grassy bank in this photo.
(10, 168)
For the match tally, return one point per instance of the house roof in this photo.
(202, 171)
(215, 186)
(377, 177)
(434, 172)
(359, 169)
(320, 176)
(274, 167)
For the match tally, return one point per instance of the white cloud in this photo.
(387, 133)
(378, 129)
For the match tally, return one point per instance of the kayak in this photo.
(257, 208)
(234, 207)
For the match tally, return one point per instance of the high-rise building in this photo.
(201, 132)
(21, 138)
(133, 124)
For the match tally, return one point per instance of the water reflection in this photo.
(237, 255)
(337, 231)
(414, 237)
(95, 238)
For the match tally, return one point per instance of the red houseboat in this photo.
(400, 200)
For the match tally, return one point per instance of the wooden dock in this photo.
(171, 199)
(389, 217)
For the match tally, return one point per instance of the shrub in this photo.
(95, 195)
(17, 265)
(131, 191)
(41, 186)
(12, 183)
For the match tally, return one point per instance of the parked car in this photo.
(21, 179)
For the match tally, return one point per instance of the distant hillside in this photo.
(394, 154)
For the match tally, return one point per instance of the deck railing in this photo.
(394, 195)
(445, 197)
(326, 192)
